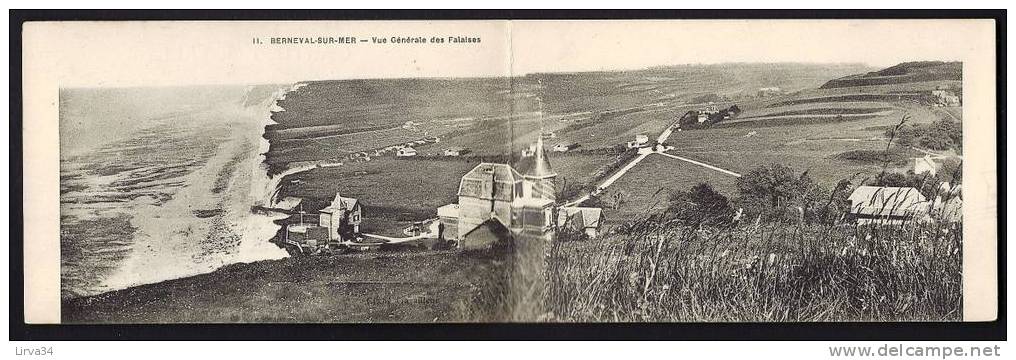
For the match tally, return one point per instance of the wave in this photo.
(169, 201)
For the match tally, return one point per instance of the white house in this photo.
(887, 205)
(769, 91)
(342, 215)
(641, 139)
(406, 152)
(926, 164)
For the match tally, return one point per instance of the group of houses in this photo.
(895, 205)
(944, 97)
(496, 202)
(406, 149)
(889, 205)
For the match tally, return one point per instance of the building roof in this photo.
(340, 203)
(479, 182)
(536, 166)
(450, 210)
(589, 217)
(289, 203)
(886, 201)
(488, 232)
(927, 160)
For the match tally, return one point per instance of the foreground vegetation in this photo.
(404, 286)
(666, 272)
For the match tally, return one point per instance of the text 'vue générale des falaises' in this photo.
(318, 40)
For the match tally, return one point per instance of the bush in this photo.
(701, 205)
(877, 157)
(939, 135)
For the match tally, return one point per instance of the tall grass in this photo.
(651, 271)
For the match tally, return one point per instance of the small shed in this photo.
(581, 219)
(562, 147)
(406, 151)
(457, 151)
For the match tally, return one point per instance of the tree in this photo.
(773, 192)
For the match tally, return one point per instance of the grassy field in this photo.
(363, 288)
(645, 189)
(398, 191)
(825, 131)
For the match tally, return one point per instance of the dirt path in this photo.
(702, 164)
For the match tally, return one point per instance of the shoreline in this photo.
(248, 235)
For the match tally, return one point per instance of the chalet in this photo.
(336, 223)
(455, 151)
(496, 202)
(406, 152)
(342, 216)
(563, 147)
(887, 205)
(584, 220)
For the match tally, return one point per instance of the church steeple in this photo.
(540, 175)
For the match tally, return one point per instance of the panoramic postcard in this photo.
(500, 171)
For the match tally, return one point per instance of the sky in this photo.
(96, 54)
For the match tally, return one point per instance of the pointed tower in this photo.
(540, 176)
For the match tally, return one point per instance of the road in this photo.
(610, 180)
(644, 153)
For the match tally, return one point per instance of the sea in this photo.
(157, 183)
